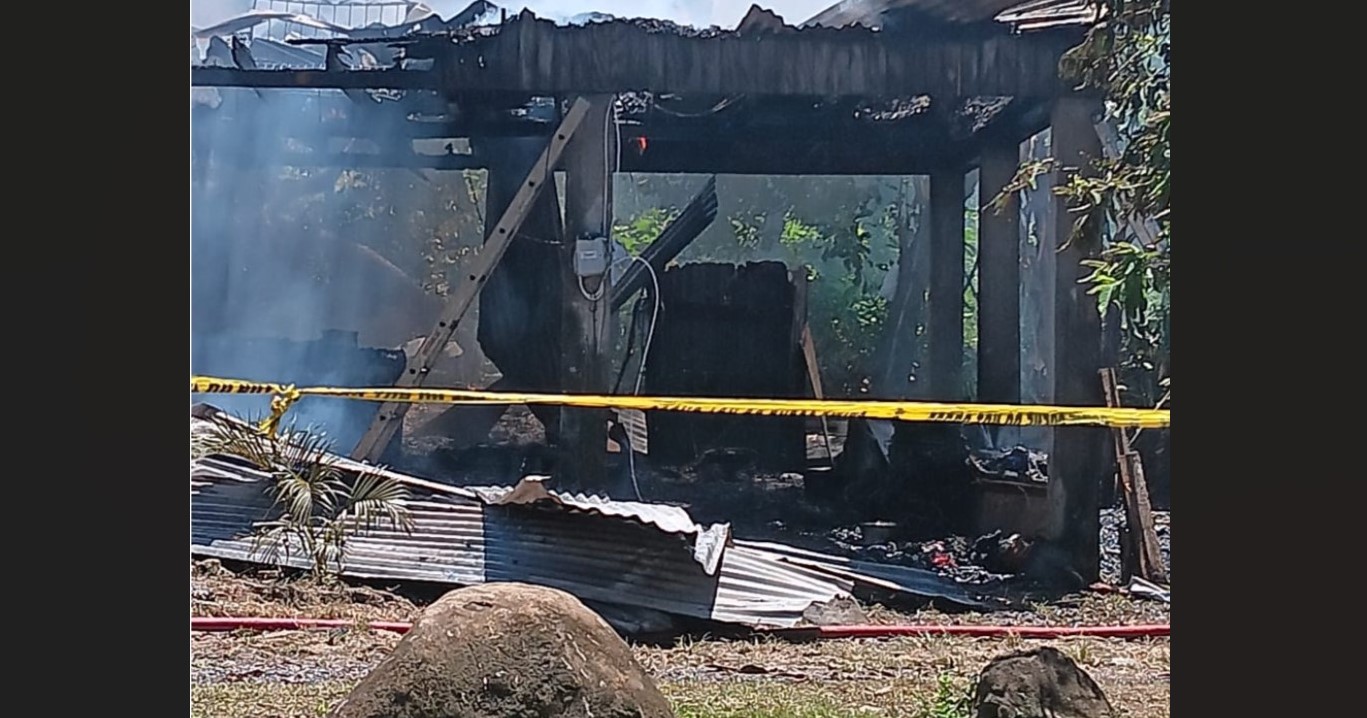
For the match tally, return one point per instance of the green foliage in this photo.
(845, 311)
(1128, 57)
(319, 507)
(747, 232)
(642, 229)
(952, 699)
(842, 231)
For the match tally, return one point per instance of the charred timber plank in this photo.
(354, 160)
(315, 79)
(825, 63)
(1139, 515)
(792, 158)
(390, 417)
(693, 158)
(945, 324)
(1139, 542)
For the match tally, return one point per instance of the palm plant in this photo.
(318, 506)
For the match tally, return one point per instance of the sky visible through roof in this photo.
(698, 13)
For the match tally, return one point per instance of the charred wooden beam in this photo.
(792, 158)
(696, 217)
(999, 355)
(212, 76)
(520, 306)
(946, 301)
(538, 56)
(351, 160)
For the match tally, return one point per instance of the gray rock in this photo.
(1040, 683)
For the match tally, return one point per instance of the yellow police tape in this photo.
(1004, 414)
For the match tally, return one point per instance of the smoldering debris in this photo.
(1015, 464)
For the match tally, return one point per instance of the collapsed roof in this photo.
(633, 559)
(849, 98)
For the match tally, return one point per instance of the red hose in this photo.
(219, 623)
(1149, 631)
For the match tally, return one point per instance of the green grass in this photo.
(691, 699)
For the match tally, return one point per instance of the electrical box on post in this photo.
(591, 256)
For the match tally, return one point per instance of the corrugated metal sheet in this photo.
(888, 577)
(1041, 14)
(636, 555)
(465, 541)
(953, 12)
(707, 543)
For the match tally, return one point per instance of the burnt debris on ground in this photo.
(729, 486)
(648, 567)
(488, 530)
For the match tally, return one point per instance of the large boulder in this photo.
(1040, 683)
(507, 650)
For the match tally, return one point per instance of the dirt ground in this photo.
(303, 673)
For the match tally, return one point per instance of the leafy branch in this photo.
(1127, 57)
(319, 506)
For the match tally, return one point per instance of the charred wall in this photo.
(726, 330)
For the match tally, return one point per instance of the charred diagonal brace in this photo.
(697, 216)
(390, 417)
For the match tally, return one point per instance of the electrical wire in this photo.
(654, 316)
(640, 369)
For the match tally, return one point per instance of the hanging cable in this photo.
(654, 317)
(630, 347)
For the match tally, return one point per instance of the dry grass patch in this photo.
(920, 677)
(217, 591)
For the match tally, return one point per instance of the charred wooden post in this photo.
(586, 315)
(389, 419)
(1078, 465)
(946, 320)
(999, 355)
(519, 307)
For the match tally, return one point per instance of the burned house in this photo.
(912, 87)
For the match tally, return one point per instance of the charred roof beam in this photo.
(207, 76)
